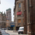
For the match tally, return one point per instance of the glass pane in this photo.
(19, 4)
(21, 28)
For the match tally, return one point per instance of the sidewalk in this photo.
(13, 32)
(9, 30)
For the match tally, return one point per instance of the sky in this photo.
(5, 4)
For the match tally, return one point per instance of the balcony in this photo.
(19, 13)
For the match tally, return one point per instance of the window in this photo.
(19, 4)
(19, 20)
(21, 28)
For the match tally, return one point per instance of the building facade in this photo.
(12, 25)
(27, 9)
(2, 20)
(8, 14)
(7, 23)
(30, 14)
(19, 13)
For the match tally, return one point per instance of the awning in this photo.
(12, 25)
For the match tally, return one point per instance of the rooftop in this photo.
(8, 9)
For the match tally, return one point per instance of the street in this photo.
(10, 32)
(13, 32)
(4, 33)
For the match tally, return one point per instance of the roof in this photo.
(8, 9)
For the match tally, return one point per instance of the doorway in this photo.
(17, 28)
